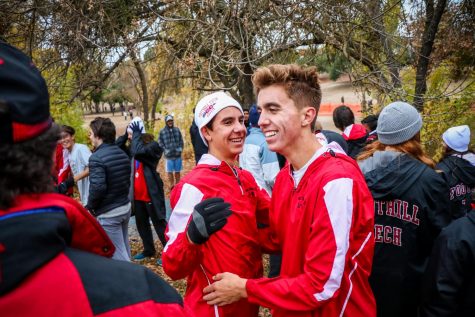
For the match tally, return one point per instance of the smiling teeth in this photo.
(271, 133)
(236, 140)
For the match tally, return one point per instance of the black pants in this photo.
(275, 261)
(143, 213)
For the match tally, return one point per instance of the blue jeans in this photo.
(174, 165)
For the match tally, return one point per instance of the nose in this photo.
(239, 126)
(263, 119)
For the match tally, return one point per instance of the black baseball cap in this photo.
(24, 98)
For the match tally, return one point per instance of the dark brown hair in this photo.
(147, 138)
(68, 129)
(26, 167)
(343, 117)
(103, 128)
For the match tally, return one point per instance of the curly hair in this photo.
(301, 84)
(26, 167)
(411, 147)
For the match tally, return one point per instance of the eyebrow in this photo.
(232, 118)
(269, 104)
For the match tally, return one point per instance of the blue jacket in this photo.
(259, 160)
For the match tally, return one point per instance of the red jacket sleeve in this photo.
(180, 257)
(324, 258)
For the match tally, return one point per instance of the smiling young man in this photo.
(78, 160)
(204, 238)
(321, 213)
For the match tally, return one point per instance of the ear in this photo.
(308, 115)
(206, 134)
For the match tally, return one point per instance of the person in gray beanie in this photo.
(411, 203)
(398, 123)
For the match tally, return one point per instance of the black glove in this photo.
(135, 127)
(64, 186)
(209, 216)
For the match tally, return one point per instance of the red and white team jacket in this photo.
(235, 248)
(324, 227)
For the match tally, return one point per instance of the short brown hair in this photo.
(301, 84)
(343, 117)
(104, 129)
(68, 129)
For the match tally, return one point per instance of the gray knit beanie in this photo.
(397, 123)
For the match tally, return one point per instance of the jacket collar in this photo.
(332, 149)
(210, 161)
(102, 146)
(39, 227)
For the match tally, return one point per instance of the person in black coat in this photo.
(199, 147)
(449, 284)
(411, 207)
(109, 182)
(146, 192)
(458, 165)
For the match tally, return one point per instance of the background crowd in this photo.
(361, 223)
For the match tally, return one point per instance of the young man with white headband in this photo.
(321, 213)
(207, 235)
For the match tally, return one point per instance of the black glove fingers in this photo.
(217, 225)
(208, 201)
(209, 216)
(222, 214)
(210, 209)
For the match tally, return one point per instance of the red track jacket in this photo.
(235, 248)
(324, 227)
(53, 263)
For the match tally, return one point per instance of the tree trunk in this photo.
(246, 90)
(433, 17)
(143, 84)
(380, 33)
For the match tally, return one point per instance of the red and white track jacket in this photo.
(53, 262)
(235, 248)
(324, 227)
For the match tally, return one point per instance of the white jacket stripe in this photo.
(189, 197)
(339, 203)
(353, 271)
